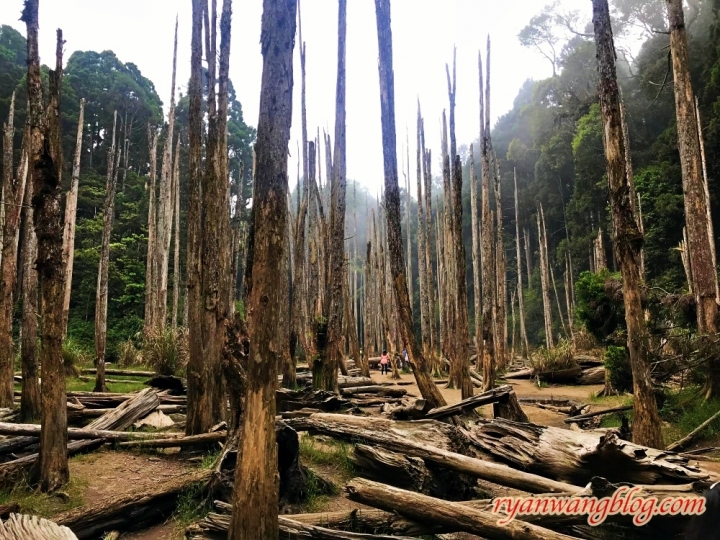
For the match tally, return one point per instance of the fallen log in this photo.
(10, 470)
(593, 375)
(690, 437)
(561, 375)
(437, 511)
(24, 527)
(583, 417)
(33, 431)
(576, 457)
(11, 445)
(424, 439)
(295, 529)
(126, 372)
(491, 396)
(350, 382)
(406, 409)
(411, 473)
(167, 382)
(571, 410)
(375, 389)
(526, 373)
(587, 360)
(128, 412)
(293, 400)
(76, 414)
(130, 511)
(175, 442)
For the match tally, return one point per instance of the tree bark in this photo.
(46, 167)
(628, 240)
(256, 476)
(696, 206)
(13, 191)
(545, 281)
(476, 251)
(101, 298)
(488, 261)
(521, 302)
(429, 270)
(392, 199)
(176, 235)
(30, 397)
(150, 270)
(71, 218)
(425, 316)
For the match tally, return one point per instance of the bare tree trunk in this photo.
(488, 261)
(477, 268)
(711, 233)
(429, 270)
(30, 406)
(521, 303)
(70, 219)
(501, 265)
(628, 241)
(545, 281)
(528, 255)
(45, 164)
(166, 205)
(426, 385)
(568, 302)
(13, 192)
(150, 271)
(408, 201)
(101, 298)
(256, 476)
(696, 206)
(176, 236)
(422, 229)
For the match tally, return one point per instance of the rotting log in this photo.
(520, 374)
(593, 375)
(130, 511)
(576, 457)
(491, 396)
(33, 430)
(426, 439)
(24, 527)
(690, 437)
(374, 389)
(568, 375)
(297, 530)
(127, 373)
(431, 510)
(586, 416)
(510, 409)
(128, 412)
(175, 442)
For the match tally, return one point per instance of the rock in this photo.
(156, 419)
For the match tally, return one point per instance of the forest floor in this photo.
(102, 475)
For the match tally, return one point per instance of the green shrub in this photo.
(128, 354)
(74, 356)
(599, 303)
(554, 359)
(166, 350)
(617, 363)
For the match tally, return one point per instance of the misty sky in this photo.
(424, 32)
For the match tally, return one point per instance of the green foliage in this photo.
(128, 354)
(328, 452)
(598, 307)
(553, 359)
(75, 356)
(617, 363)
(686, 409)
(192, 505)
(166, 350)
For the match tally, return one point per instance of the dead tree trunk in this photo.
(71, 218)
(13, 191)
(30, 397)
(429, 270)
(421, 371)
(628, 240)
(150, 271)
(696, 210)
(101, 298)
(256, 476)
(711, 232)
(545, 281)
(477, 268)
(521, 302)
(488, 261)
(422, 230)
(45, 164)
(176, 235)
(208, 249)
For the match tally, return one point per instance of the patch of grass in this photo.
(78, 385)
(554, 359)
(316, 495)
(685, 410)
(330, 453)
(192, 505)
(167, 350)
(45, 505)
(209, 459)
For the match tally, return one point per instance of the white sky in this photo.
(424, 32)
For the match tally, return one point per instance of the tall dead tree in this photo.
(696, 205)
(166, 204)
(475, 224)
(176, 237)
(13, 192)
(706, 186)
(408, 201)
(208, 253)
(256, 476)
(521, 302)
(325, 371)
(150, 270)
(500, 263)
(427, 387)
(449, 287)
(101, 297)
(30, 396)
(429, 270)
(45, 168)
(71, 218)
(422, 229)
(545, 280)
(488, 227)
(628, 240)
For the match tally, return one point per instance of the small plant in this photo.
(166, 350)
(128, 354)
(192, 505)
(554, 359)
(617, 364)
(332, 453)
(74, 356)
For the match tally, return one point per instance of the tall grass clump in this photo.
(166, 350)
(556, 358)
(74, 356)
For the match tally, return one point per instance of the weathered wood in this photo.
(690, 437)
(350, 382)
(375, 389)
(174, 442)
(130, 511)
(23, 527)
(593, 375)
(128, 412)
(583, 417)
(509, 409)
(521, 374)
(126, 372)
(431, 441)
(437, 511)
(568, 375)
(575, 457)
(491, 396)
(33, 430)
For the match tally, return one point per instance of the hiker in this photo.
(407, 360)
(706, 526)
(384, 363)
